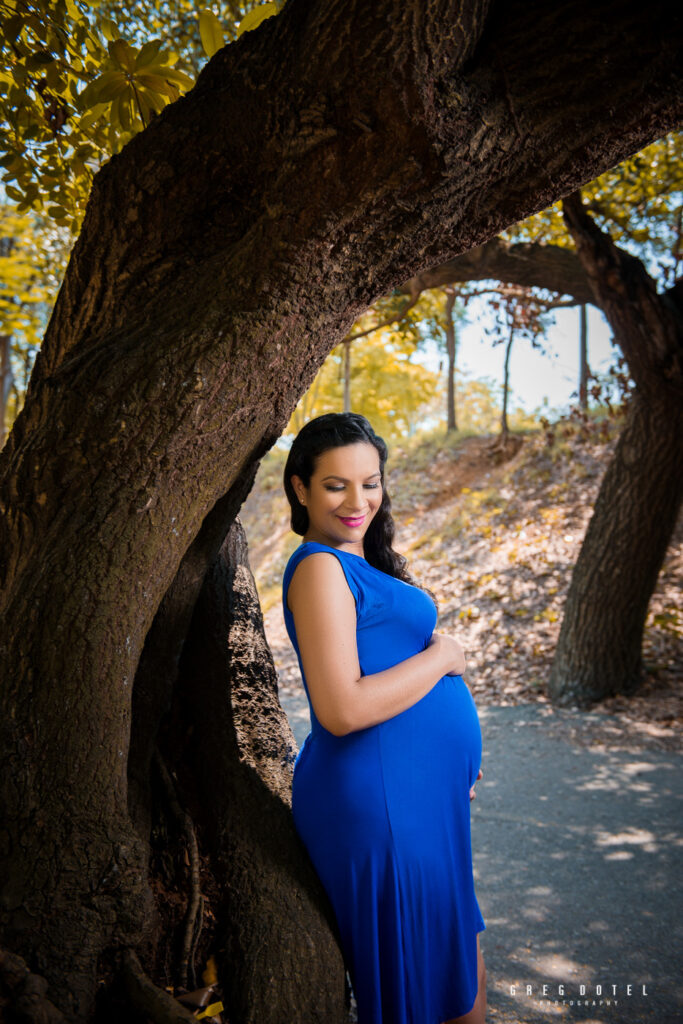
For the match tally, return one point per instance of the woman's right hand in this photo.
(452, 652)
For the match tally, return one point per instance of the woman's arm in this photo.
(325, 619)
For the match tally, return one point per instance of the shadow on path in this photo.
(577, 864)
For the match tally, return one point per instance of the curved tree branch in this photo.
(529, 264)
(648, 326)
(224, 252)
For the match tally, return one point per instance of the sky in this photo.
(536, 380)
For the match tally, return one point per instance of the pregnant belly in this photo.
(414, 768)
(439, 737)
(431, 754)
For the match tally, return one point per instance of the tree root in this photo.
(199, 924)
(157, 1004)
(186, 965)
(503, 447)
(23, 994)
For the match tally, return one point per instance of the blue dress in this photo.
(384, 813)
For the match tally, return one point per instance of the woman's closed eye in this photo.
(370, 487)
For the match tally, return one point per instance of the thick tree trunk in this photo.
(224, 252)
(233, 751)
(599, 648)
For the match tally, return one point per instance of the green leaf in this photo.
(210, 32)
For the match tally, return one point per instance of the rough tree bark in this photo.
(230, 746)
(530, 264)
(599, 649)
(319, 162)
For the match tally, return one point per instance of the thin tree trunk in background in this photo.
(5, 382)
(347, 375)
(506, 386)
(583, 357)
(215, 271)
(451, 350)
(599, 649)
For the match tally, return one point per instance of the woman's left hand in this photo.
(472, 793)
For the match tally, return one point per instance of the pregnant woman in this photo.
(382, 784)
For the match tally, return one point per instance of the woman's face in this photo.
(343, 496)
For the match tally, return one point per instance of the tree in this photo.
(599, 652)
(388, 387)
(33, 255)
(599, 648)
(214, 272)
(76, 86)
(518, 311)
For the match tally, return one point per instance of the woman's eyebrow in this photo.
(334, 476)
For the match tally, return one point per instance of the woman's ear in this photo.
(299, 489)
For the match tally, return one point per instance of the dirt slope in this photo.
(494, 534)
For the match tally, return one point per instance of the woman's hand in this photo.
(452, 653)
(472, 793)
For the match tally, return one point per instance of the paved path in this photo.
(577, 861)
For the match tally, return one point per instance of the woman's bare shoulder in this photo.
(318, 576)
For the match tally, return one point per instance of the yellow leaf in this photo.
(210, 32)
(113, 88)
(146, 109)
(122, 52)
(109, 29)
(255, 16)
(89, 118)
(173, 75)
(148, 54)
(211, 1011)
(210, 974)
(157, 84)
(155, 100)
(115, 113)
(124, 113)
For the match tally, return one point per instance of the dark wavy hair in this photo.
(334, 430)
